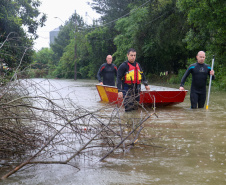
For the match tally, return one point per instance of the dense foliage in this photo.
(207, 31)
(19, 20)
(167, 35)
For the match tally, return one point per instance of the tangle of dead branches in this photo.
(42, 127)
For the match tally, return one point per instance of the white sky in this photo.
(63, 9)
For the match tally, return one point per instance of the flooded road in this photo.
(190, 146)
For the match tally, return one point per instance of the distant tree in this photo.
(156, 31)
(208, 24)
(113, 9)
(67, 32)
(127, 37)
(65, 67)
(43, 58)
(207, 20)
(101, 45)
(19, 21)
(163, 46)
(42, 63)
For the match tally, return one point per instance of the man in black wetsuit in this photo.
(129, 78)
(108, 71)
(199, 72)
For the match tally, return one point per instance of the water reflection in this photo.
(190, 146)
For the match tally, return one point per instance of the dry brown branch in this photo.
(47, 128)
(26, 162)
(126, 137)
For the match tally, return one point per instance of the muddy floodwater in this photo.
(191, 146)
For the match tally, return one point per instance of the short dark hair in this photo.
(131, 50)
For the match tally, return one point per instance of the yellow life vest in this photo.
(133, 76)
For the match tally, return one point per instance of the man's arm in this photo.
(186, 74)
(116, 70)
(99, 73)
(143, 80)
(120, 74)
(211, 72)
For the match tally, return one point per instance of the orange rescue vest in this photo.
(133, 75)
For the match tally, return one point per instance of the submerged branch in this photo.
(57, 130)
(126, 137)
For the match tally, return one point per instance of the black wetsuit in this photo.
(108, 72)
(130, 91)
(198, 86)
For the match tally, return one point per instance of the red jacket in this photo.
(133, 75)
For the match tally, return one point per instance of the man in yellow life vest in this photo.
(129, 79)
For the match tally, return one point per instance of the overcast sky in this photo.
(63, 10)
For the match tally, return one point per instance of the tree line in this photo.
(167, 35)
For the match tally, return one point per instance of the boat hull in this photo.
(153, 97)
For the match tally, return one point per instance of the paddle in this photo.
(207, 105)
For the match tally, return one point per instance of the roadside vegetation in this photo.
(167, 35)
(40, 127)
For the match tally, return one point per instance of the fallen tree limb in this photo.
(44, 146)
(26, 162)
(138, 125)
(87, 143)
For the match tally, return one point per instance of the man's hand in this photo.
(181, 88)
(101, 83)
(120, 95)
(147, 88)
(212, 72)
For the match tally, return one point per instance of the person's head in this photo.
(201, 57)
(131, 55)
(109, 59)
